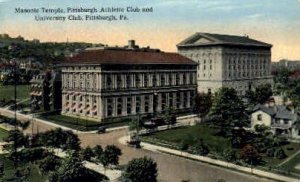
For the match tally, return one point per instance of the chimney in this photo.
(131, 44)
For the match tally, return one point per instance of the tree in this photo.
(250, 155)
(87, 153)
(280, 154)
(50, 163)
(295, 96)
(1, 169)
(140, 169)
(112, 154)
(72, 169)
(263, 93)
(169, 117)
(203, 103)
(230, 108)
(98, 151)
(17, 138)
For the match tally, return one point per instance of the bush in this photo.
(280, 154)
(270, 152)
(200, 148)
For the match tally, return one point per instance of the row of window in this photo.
(147, 80)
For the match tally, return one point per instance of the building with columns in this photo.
(237, 62)
(112, 82)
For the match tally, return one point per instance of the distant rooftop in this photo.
(206, 39)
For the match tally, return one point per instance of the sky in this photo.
(272, 21)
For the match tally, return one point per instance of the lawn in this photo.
(75, 123)
(3, 134)
(190, 133)
(82, 124)
(293, 165)
(7, 92)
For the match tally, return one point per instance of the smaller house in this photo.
(279, 118)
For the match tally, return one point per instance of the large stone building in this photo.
(118, 82)
(228, 61)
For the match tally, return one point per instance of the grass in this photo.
(74, 123)
(190, 133)
(9, 171)
(3, 134)
(7, 92)
(81, 124)
(289, 149)
(292, 164)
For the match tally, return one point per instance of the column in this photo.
(114, 106)
(159, 102)
(188, 99)
(124, 106)
(63, 103)
(142, 104)
(150, 103)
(133, 109)
(181, 100)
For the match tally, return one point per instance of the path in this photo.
(289, 158)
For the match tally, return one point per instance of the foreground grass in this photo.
(7, 92)
(9, 171)
(3, 134)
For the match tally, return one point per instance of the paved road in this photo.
(171, 168)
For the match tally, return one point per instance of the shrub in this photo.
(270, 152)
(280, 154)
(200, 148)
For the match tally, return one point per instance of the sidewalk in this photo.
(257, 172)
(112, 174)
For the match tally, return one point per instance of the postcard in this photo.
(150, 90)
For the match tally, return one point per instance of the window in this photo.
(128, 81)
(178, 100)
(119, 106)
(177, 79)
(147, 100)
(259, 117)
(170, 100)
(109, 107)
(184, 79)
(137, 80)
(109, 81)
(170, 79)
(119, 81)
(129, 101)
(146, 80)
(154, 80)
(138, 104)
(162, 80)
(286, 121)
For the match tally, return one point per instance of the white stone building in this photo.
(228, 61)
(119, 82)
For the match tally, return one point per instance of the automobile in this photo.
(101, 129)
